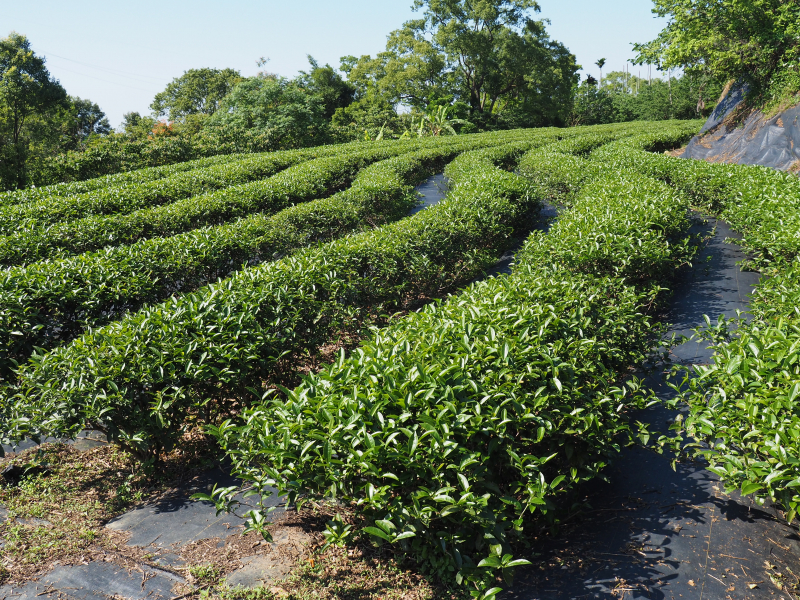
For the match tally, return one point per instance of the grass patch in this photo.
(59, 515)
(344, 574)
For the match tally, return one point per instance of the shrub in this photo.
(143, 378)
(449, 426)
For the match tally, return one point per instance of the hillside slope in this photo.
(755, 139)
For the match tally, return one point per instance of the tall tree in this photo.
(473, 35)
(600, 64)
(26, 90)
(281, 109)
(329, 85)
(196, 92)
(83, 120)
(487, 55)
(411, 70)
(752, 40)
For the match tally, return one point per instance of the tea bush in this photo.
(51, 302)
(143, 378)
(743, 407)
(126, 199)
(451, 425)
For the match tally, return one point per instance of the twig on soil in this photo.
(191, 593)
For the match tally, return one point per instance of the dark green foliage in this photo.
(625, 98)
(51, 302)
(452, 424)
(281, 110)
(196, 92)
(143, 378)
(744, 418)
(328, 85)
(26, 92)
(311, 179)
(738, 40)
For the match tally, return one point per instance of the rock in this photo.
(97, 581)
(289, 546)
(769, 141)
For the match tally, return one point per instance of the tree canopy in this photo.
(196, 92)
(328, 85)
(757, 41)
(26, 91)
(275, 105)
(489, 55)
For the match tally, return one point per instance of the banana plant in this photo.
(435, 122)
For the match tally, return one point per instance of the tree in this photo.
(289, 114)
(411, 71)
(474, 37)
(196, 92)
(542, 73)
(82, 121)
(26, 90)
(328, 85)
(591, 106)
(489, 55)
(756, 41)
(135, 125)
(600, 63)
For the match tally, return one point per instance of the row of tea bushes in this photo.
(451, 425)
(146, 377)
(311, 179)
(123, 200)
(561, 177)
(761, 203)
(120, 200)
(307, 180)
(72, 188)
(744, 407)
(132, 179)
(50, 302)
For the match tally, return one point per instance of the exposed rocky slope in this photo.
(732, 136)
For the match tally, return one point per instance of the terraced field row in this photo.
(130, 180)
(744, 415)
(51, 302)
(449, 427)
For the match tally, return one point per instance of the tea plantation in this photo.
(338, 349)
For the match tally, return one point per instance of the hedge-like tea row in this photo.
(138, 177)
(126, 199)
(311, 179)
(636, 233)
(65, 190)
(761, 203)
(48, 303)
(451, 424)
(143, 378)
(745, 406)
(123, 200)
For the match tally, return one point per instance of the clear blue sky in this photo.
(120, 54)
